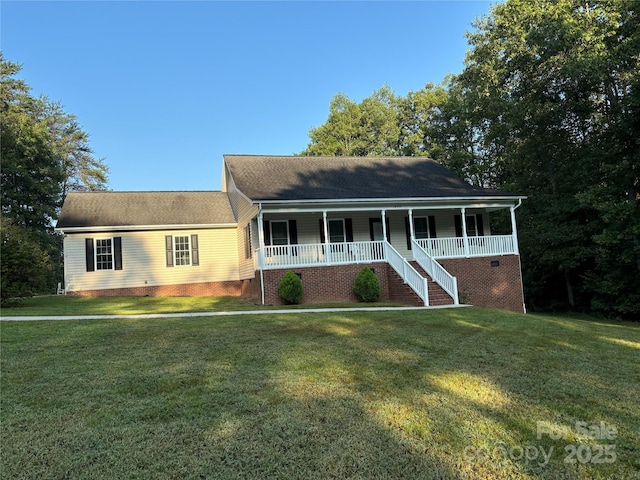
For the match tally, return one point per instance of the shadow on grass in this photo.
(349, 395)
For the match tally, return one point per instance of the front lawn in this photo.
(459, 393)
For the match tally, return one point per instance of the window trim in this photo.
(344, 229)
(188, 250)
(111, 254)
(415, 230)
(286, 222)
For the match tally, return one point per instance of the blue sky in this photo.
(166, 88)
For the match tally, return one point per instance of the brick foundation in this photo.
(479, 283)
(237, 288)
(330, 284)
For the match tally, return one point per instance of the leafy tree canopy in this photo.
(548, 105)
(45, 154)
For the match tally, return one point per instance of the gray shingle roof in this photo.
(276, 178)
(108, 209)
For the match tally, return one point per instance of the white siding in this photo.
(244, 211)
(144, 260)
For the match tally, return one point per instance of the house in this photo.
(424, 231)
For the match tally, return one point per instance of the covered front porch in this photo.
(303, 237)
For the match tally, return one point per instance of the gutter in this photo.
(136, 228)
(261, 241)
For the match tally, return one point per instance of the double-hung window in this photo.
(279, 232)
(103, 253)
(421, 228)
(182, 250)
(337, 231)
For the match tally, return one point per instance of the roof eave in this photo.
(116, 228)
(405, 200)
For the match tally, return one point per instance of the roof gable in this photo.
(129, 209)
(290, 178)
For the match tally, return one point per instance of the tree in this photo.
(31, 174)
(551, 88)
(26, 265)
(358, 129)
(45, 154)
(82, 172)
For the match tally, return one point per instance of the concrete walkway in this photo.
(220, 314)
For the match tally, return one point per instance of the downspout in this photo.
(517, 249)
(261, 244)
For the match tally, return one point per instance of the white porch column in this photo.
(412, 234)
(327, 249)
(514, 231)
(261, 250)
(384, 225)
(465, 239)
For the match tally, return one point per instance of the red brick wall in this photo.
(486, 286)
(214, 289)
(325, 284)
(496, 287)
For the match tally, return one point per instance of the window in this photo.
(182, 250)
(474, 224)
(103, 253)
(336, 231)
(279, 232)
(471, 226)
(420, 227)
(247, 241)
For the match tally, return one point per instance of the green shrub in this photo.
(290, 288)
(367, 286)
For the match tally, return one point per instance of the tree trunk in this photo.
(567, 281)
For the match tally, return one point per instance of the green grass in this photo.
(416, 394)
(56, 305)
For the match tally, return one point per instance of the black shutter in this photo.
(117, 253)
(168, 241)
(371, 222)
(348, 226)
(322, 239)
(266, 230)
(479, 225)
(195, 256)
(432, 227)
(457, 220)
(388, 229)
(293, 232)
(89, 254)
(407, 229)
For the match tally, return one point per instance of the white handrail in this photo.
(316, 254)
(409, 274)
(478, 246)
(448, 282)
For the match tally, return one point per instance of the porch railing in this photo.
(314, 254)
(477, 246)
(409, 274)
(437, 272)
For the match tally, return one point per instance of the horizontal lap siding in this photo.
(244, 211)
(144, 260)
